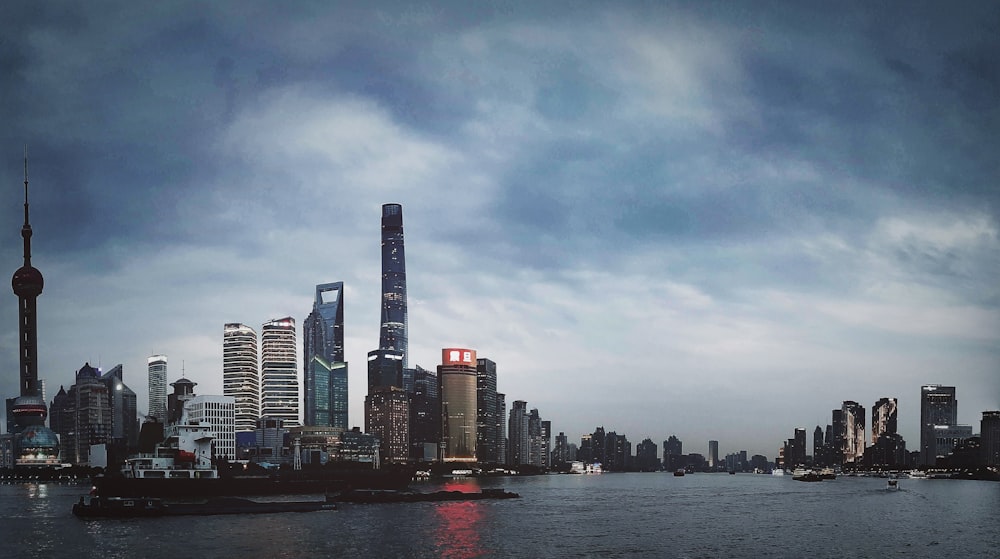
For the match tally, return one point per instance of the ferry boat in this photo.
(778, 472)
(827, 473)
(118, 507)
(802, 474)
(183, 468)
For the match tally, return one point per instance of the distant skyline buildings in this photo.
(279, 388)
(883, 418)
(393, 331)
(325, 373)
(241, 374)
(853, 417)
(156, 369)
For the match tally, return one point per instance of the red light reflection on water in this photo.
(457, 534)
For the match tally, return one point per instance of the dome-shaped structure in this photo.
(27, 282)
(87, 372)
(29, 410)
(37, 445)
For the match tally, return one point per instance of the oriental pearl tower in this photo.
(37, 445)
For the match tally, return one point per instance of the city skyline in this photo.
(715, 222)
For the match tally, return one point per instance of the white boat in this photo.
(892, 484)
(187, 454)
(778, 472)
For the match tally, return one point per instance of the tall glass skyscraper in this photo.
(393, 331)
(240, 374)
(457, 377)
(938, 406)
(279, 385)
(157, 370)
(325, 371)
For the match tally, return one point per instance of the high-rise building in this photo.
(673, 450)
(646, 458)
(457, 375)
(487, 432)
(124, 436)
(393, 331)
(34, 444)
(217, 411)
(425, 416)
(502, 429)
(387, 407)
(157, 370)
(854, 431)
(819, 457)
(713, 454)
(279, 386)
(86, 417)
(938, 407)
(324, 375)
(517, 428)
(883, 418)
(241, 374)
(989, 433)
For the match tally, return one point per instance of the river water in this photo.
(609, 515)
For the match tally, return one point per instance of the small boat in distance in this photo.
(679, 472)
(778, 472)
(827, 473)
(892, 484)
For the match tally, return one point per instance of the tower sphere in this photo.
(27, 282)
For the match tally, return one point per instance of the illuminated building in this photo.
(34, 444)
(457, 375)
(938, 407)
(157, 375)
(713, 454)
(392, 334)
(853, 415)
(123, 439)
(241, 375)
(883, 418)
(279, 385)
(324, 377)
(387, 408)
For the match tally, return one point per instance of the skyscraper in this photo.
(387, 411)
(425, 416)
(324, 375)
(457, 375)
(35, 444)
(938, 407)
(883, 418)
(279, 387)
(713, 454)
(487, 434)
(393, 331)
(989, 432)
(519, 448)
(241, 375)
(157, 369)
(854, 431)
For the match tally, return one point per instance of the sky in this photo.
(717, 220)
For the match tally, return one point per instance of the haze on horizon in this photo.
(705, 219)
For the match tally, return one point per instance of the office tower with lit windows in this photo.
(279, 385)
(938, 410)
(501, 427)
(457, 375)
(713, 454)
(157, 371)
(487, 433)
(241, 374)
(217, 411)
(853, 415)
(387, 406)
(324, 376)
(392, 334)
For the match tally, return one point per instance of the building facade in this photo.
(518, 446)
(487, 426)
(393, 332)
(279, 386)
(425, 416)
(457, 375)
(883, 418)
(989, 433)
(220, 413)
(157, 375)
(241, 374)
(938, 408)
(324, 377)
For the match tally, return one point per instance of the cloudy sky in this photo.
(714, 220)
